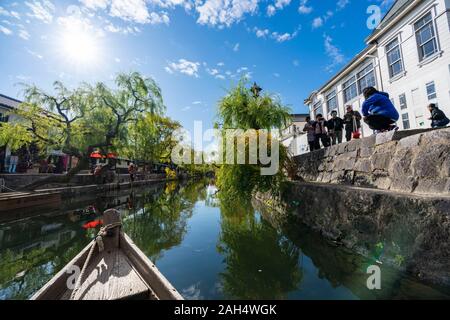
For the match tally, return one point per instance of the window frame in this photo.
(389, 50)
(403, 106)
(365, 71)
(316, 106)
(348, 84)
(406, 114)
(433, 39)
(332, 95)
(427, 85)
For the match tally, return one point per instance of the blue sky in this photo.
(195, 49)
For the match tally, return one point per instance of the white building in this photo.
(408, 56)
(294, 138)
(7, 106)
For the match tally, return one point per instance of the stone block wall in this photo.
(413, 161)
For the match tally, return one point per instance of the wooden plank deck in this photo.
(111, 276)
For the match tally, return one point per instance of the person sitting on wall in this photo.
(378, 111)
(438, 117)
(352, 120)
(320, 132)
(310, 133)
(335, 126)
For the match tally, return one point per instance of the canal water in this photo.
(207, 249)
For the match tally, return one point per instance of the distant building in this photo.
(293, 137)
(7, 107)
(408, 56)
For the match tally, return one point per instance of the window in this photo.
(405, 119)
(431, 91)
(350, 90)
(426, 37)
(332, 101)
(394, 58)
(403, 104)
(3, 117)
(366, 78)
(318, 108)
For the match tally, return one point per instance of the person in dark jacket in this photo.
(351, 118)
(438, 117)
(321, 134)
(335, 126)
(378, 111)
(310, 132)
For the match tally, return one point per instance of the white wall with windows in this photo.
(418, 79)
(410, 60)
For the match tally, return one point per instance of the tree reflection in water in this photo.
(160, 223)
(260, 263)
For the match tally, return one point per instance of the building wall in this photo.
(412, 83)
(416, 76)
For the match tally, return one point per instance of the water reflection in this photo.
(208, 249)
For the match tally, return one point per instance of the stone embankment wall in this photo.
(408, 232)
(413, 161)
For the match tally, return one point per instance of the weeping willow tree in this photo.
(243, 108)
(79, 121)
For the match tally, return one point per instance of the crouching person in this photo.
(378, 111)
(438, 117)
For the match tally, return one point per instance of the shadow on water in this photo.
(207, 248)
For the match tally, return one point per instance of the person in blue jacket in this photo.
(378, 111)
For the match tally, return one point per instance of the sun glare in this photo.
(80, 47)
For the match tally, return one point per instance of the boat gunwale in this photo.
(144, 267)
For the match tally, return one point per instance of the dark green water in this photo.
(207, 249)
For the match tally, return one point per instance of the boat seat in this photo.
(110, 276)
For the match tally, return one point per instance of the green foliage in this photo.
(150, 138)
(128, 118)
(14, 135)
(240, 109)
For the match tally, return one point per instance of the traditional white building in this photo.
(294, 138)
(7, 106)
(407, 56)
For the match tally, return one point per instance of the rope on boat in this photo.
(99, 242)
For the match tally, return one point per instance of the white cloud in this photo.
(236, 47)
(35, 54)
(261, 33)
(24, 34)
(271, 10)
(317, 22)
(282, 37)
(184, 66)
(5, 30)
(333, 52)
(296, 63)
(279, 37)
(224, 12)
(130, 10)
(277, 5)
(95, 4)
(41, 10)
(11, 14)
(304, 8)
(341, 4)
